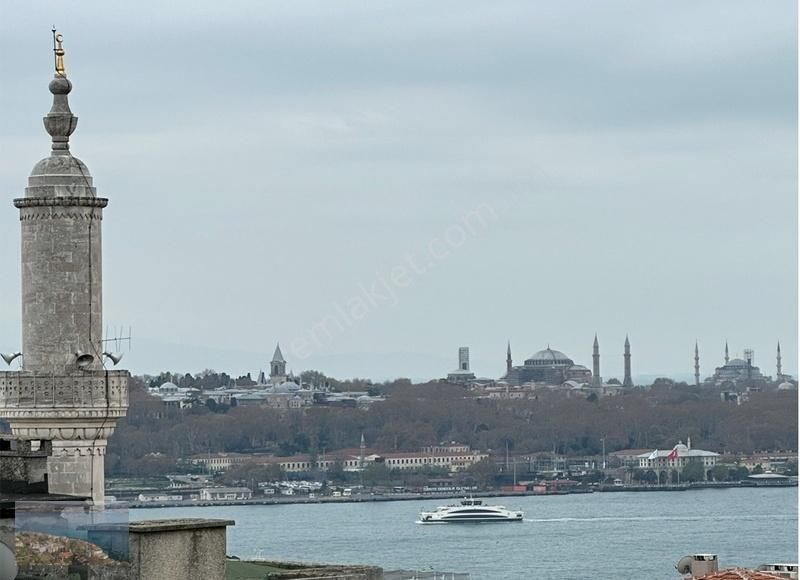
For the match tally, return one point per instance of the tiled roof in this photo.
(740, 574)
(682, 451)
(630, 452)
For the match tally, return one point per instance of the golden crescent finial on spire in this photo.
(58, 50)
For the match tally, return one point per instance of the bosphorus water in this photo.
(600, 535)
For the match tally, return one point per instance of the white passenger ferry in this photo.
(470, 511)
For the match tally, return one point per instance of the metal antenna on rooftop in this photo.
(119, 338)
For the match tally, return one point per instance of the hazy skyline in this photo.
(376, 184)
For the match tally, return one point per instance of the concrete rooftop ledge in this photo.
(169, 525)
(178, 524)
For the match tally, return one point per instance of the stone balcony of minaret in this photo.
(82, 394)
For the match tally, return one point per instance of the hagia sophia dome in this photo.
(548, 356)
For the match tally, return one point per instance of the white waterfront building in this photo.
(677, 457)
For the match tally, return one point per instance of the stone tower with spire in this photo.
(277, 367)
(627, 381)
(778, 365)
(597, 380)
(63, 391)
(509, 362)
(696, 364)
(727, 357)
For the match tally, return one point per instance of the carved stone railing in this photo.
(24, 391)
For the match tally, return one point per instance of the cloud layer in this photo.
(263, 160)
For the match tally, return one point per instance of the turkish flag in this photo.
(673, 454)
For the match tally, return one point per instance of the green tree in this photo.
(645, 476)
(738, 473)
(720, 473)
(484, 472)
(336, 472)
(693, 471)
(377, 474)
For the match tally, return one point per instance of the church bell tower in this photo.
(63, 391)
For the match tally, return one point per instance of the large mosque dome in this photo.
(549, 356)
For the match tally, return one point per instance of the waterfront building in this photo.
(64, 392)
(628, 457)
(677, 458)
(775, 461)
(770, 478)
(225, 493)
(453, 458)
(216, 462)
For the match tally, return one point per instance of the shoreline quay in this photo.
(361, 498)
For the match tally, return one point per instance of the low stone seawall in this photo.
(283, 500)
(275, 570)
(352, 499)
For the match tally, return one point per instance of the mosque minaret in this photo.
(597, 380)
(696, 364)
(63, 391)
(627, 381)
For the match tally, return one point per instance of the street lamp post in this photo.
(603, 439)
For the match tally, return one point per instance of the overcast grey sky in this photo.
(301, 171)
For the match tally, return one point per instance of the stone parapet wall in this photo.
(78, 411)
(11, 446)
(165, 549)
(21, 391)
(318, 571)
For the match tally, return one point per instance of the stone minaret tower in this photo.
(627, 381)
(596, 378)
(727, 358)
(696, 365)
(63, 391)
(778, 363)
(509, 363)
